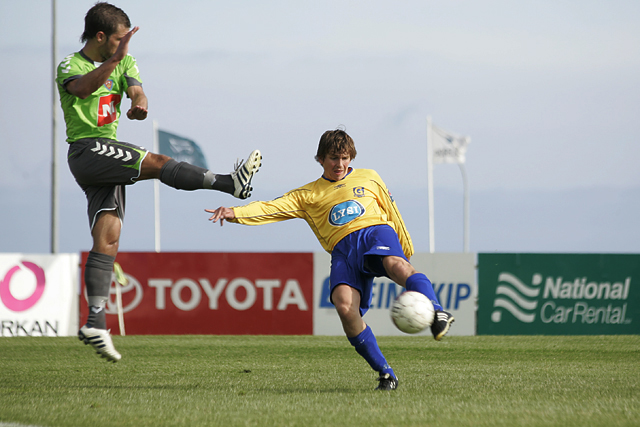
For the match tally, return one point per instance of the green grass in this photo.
(308, 381)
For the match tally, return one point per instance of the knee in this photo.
(152, 165)
(398, 268)
(106, 244)
(106, 233)
(157, 160)
(344, 309)
(343, 300)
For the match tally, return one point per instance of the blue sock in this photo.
(367, 347)
(420, 283)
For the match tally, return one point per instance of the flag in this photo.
(180, 149)
(448, 147)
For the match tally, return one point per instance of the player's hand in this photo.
(137, 112)
(123, 47)
(221, 214)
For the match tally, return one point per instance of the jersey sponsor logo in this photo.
(109, 85)
(358, 191)
(107, 109)
(345, 212)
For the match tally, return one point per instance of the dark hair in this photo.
(335, 142)
(103, 17)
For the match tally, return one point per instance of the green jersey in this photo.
(96, 116)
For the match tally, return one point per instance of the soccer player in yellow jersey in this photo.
(356, 220)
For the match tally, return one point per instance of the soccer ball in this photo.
(412, 312)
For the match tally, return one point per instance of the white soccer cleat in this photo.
(100, 340)
(243, 173)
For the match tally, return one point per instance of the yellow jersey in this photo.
(333, 209)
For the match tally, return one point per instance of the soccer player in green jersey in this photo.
(356, 220)
(91, 84)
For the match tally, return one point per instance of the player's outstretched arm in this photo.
(221, 214)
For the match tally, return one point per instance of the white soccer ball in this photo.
(412, 312)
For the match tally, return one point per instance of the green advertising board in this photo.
(558, 294)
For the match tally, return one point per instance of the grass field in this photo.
(309, 381)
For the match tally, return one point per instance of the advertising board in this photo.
(38, 295)
(558, 294)
(213, 293)
(453, 277)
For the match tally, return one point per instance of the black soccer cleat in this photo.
(441, 323)
(387, 382)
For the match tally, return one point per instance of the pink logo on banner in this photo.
(14, 304)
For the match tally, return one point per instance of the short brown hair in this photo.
(335, 141)
(103, 17)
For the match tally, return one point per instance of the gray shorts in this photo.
(102, 167)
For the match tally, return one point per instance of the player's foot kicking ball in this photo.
(441, 324)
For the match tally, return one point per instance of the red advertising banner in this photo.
(212, 293)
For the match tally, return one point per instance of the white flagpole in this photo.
(156, 189)
(465, 207)
(54, 137)
(432, 243)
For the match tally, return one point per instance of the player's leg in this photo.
(110, 162)
(347, 302)
(97, 276)
(99, 266)
(351, 294)
(185, 176)
(402, 272)
(384, 257)
(102, 167)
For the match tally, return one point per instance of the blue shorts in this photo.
(357, 259)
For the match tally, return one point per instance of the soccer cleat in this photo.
(441, 323)
(387, 382)
(243, 173)
(100, 340)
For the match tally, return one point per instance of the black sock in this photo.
(97, 278)
(185, 176)
(223, 183)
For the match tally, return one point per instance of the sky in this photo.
(548, 92)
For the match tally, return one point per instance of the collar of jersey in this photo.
(331, 180)
(97, 64)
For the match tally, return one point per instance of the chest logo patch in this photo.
(345, 212)
(109, 84)
(107, 109)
